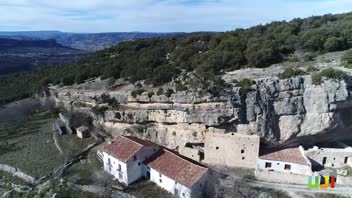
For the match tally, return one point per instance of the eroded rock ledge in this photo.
(277, 110)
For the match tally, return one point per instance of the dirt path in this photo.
(55, 135)
(340, 190)
(294, 188)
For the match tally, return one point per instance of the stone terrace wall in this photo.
(16, 172)
(272, 176)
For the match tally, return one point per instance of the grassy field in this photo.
(72, 145)
(8, 178)
(147, 189)
(88, 172)
(31, 147)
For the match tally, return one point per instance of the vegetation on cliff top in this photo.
(160, 60)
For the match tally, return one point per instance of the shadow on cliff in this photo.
(338, 135)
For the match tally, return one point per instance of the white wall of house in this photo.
(169, 184)
(197, 188)
(279, 166)
(134, 165)
(116, 168)
(131, 170)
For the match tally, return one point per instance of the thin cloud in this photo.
(156, 15)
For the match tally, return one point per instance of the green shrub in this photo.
(137, 92)
(181, 87)
(246, 84)
(346, 64)
(311, 68)
(309, 56)
(316, 79)
(99, 110)
(333, 74)
(160, 91)
(347, 57)
(150, 94)
(288, 73)
(169, 92)
(111, 81)
(293, 58)
(234, 81)
(333, 44)
(139, 85)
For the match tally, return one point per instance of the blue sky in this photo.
(156, 15)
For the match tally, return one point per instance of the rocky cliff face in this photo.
(276, 110)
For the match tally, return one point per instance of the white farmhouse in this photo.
(124, 156)
(177, 175)
(291, 160)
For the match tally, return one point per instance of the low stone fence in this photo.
(278, 177)
(345, 181)
(18, 173)
(86, 188)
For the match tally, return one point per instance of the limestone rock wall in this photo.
(277, 110)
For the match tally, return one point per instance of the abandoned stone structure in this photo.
(231, 149)
(66, 123)
(192, 153)
(82, 132)
(290, 160)
(330, 157)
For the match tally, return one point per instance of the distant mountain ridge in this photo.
(85, 41)
(6, 43)
(25, 51)
(17, 55)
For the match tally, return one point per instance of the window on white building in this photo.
(160, 180)
(267, 165)
(242, 151)
(159, 174)
(134, 158)
(287, 167)
(119, 167)
(139, 163)
(346, 160)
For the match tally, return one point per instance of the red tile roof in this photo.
(177, 168)
(292, 155)
(125, 147)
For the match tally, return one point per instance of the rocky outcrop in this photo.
(277, 110)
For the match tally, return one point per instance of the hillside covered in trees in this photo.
(159, 60)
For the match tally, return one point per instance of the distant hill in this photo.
(6, 43)
(25, 55)
(85, 41)
(206, 56)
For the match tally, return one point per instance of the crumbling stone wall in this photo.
(231, 149)
(16, 172)
(329, 157)
(280, 177)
